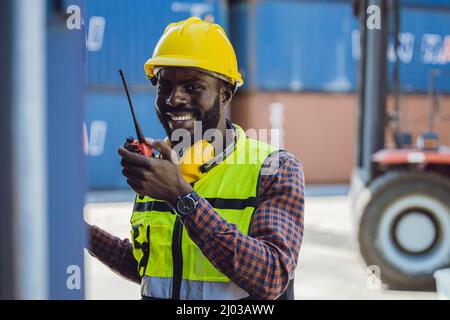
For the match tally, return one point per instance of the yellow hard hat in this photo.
(198, 44)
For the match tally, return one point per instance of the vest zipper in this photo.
(177, 257)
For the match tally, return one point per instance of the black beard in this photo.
(209, 120)
(211, 117)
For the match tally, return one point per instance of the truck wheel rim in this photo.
(426, 217)
(415, 231)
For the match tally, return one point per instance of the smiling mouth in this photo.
(180, 116)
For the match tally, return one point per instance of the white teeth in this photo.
(181, 118)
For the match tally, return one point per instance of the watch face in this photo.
(186, 205)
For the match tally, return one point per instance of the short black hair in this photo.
(226, 85)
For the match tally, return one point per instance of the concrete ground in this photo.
(329, 266)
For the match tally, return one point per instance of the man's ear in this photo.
(226, 94)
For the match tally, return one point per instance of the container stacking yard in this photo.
(299, 61)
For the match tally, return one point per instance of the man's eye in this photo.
(193, 87)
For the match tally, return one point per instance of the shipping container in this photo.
(309, 45)
(424, 47)
(439, 4)
(320, 128)
(109, 123)
(122, 34)
(283, 45)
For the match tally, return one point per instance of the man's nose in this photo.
(177, 97)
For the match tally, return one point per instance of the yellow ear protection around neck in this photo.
(199, 158)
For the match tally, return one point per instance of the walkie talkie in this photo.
(139, 145)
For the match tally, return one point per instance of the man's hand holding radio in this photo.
(157, 178)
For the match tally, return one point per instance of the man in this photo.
(229, 227)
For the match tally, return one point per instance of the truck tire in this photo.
(404, 228)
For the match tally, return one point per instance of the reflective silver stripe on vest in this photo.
(156, 287)
(161, 288)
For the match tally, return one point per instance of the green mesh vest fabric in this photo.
(231, 188)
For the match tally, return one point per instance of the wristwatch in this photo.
(187, 203)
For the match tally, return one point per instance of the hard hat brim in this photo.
(175, 61)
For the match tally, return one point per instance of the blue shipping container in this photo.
(314, 45)
(109, 123)
(122, 34)
(427, 3)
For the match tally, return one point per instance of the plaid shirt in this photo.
(262, 262)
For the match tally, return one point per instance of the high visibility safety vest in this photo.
(170, 263)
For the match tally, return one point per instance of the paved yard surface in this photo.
(329, 264)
